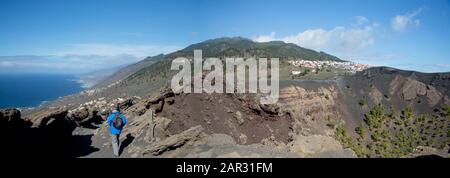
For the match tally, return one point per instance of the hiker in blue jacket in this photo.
(116, 121)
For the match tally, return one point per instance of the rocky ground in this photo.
(216, 125)
(193, 125)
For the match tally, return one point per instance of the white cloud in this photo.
(339, 39)
(63, 64)
(114, 50)
(81, 58)
(402, 22)
(6, 64)
(265, 38)
(313, 38)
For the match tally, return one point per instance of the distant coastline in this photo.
(25, 91)
(85, 84)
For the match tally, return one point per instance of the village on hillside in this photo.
(317, 65)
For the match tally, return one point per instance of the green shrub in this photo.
(375, 117)
(361, 130)
(394, 136)
(408, 113)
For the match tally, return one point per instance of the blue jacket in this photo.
(112, 129)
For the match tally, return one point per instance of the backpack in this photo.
(117, 121)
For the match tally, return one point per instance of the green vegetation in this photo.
(387, 134)
(341, 134)
(307, 74)
(361, 131)
(348, 142)
(375, 117)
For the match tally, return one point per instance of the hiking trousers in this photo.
(115, 144)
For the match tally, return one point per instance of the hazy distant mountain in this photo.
(125, 71)
(90, 79)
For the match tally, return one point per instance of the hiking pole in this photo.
(154, 125)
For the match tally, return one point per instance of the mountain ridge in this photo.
(225, 47)
(243, 47)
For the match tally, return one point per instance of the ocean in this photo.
(31, 90)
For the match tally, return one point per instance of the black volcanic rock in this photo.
(55, 121)
(48, 136)
(11, 119)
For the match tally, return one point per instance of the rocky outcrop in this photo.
(158, 129)
(413, 89)
(174, 141)
(243, 139)
(11, 119)
(45, 134)
(309, 109)
(155, 102)
(126, 103)
(426, 151)
(271, 109)
(9, 115)
(80, 115)
(319, 146)
(223, 146)
(54, 120)
(433, 95)
(375, 95)
(253, 102)
(395, 84)
(238, 116)
(97, 110)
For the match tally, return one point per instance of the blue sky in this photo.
(84, 35)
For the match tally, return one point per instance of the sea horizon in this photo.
(27, 90)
